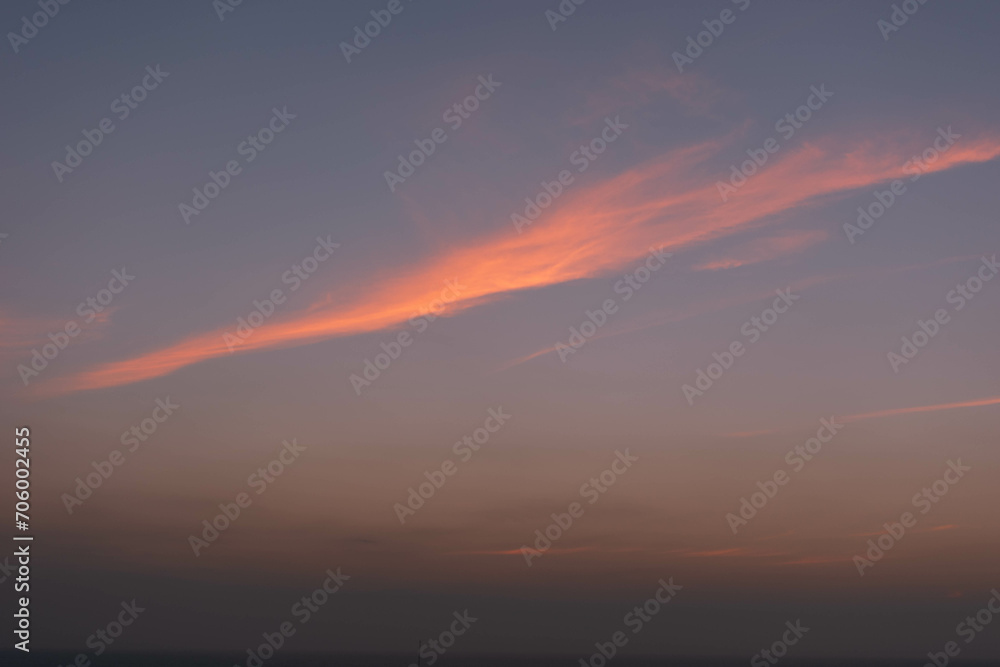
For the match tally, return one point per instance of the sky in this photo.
(704, 290)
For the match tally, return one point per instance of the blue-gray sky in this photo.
(487, 294)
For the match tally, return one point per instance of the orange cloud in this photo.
(669, 201)
(19, 333)
(994, 400)
(982, 402)
(765, 249)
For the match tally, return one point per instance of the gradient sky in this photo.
(495, 344)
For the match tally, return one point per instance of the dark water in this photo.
(65, 659)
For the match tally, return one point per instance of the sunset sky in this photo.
(589, 267)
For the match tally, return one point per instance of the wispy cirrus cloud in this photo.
(704, 307)
(669, 201)
(878, 414)
(764, 249)
(977, 403)
(22, 332)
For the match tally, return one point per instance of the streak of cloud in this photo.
(982, 402)
(670, 201)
